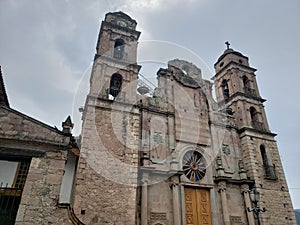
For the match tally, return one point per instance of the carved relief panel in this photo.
(158, 138)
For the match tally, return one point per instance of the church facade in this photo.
(177, 156)
(171, 156)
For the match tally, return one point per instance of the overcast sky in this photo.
(47, 47)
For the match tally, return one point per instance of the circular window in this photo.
(194, 166)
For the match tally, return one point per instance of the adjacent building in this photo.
(37, 162)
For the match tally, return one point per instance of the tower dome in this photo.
(229, 51)
(230, 56)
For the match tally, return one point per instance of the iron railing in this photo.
(9, 203)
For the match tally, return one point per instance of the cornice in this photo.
(232, 63)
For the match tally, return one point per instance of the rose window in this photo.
(194, 166)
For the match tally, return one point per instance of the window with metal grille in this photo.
(22, 174)
(12, 180)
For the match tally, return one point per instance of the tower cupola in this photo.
(230, 56)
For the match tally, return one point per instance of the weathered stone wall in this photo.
(191, 120)
(278, 205)
(160, 203)
(274, 192)
(101, 201)
(39, 203)
(236, 204)
(19, 127)
(279, 209)
(107, 171)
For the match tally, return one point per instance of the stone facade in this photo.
(174, 156)
(41, 192)
(142, 146)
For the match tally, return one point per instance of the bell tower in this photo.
(115, 61)
(238, 95)
(106, 187)
(237, 90)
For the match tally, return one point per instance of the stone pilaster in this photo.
(144, 203)
(222, 190)
(176, 200)
(245, 193)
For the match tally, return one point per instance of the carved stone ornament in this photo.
(222, 186)
(157, 138)
(226, 150)
(241, 164)
(158, 218)
(174, 181)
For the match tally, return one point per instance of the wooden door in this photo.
(197, 206)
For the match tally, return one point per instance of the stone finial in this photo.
(67, 125)
(219, 162)
(220, 168)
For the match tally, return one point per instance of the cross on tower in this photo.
(228, 44)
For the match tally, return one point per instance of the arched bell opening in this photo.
(119, 49)
(115, 85)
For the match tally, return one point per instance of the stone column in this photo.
(176, 200)
(171, 131)
(245, 193)
(222, 190)
(144, 203)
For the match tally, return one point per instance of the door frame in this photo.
(188, 185)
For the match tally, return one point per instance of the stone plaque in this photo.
(236, 220)
(157, 217)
